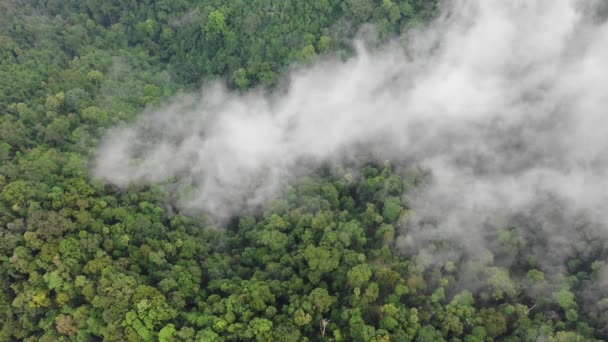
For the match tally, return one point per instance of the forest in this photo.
(82, 260)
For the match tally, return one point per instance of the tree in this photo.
(501, 283)
(65, 325)
(320, 261)
(428, 334)
(57, 131)
(167, 333)
(321, 299)
(359, 275)
(358, 10)
(495, 324)
(301, 318)
(391, 209)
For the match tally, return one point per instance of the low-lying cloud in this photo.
(503, 101)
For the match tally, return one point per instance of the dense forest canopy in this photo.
(327, 260)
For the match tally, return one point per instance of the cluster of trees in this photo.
(80, 262)
(248, 42)
(83, 261)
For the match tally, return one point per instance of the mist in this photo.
(504, 103)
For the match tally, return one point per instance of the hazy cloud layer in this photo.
(504, 101)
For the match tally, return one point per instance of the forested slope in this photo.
(85, 261)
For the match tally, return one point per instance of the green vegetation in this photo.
(84, 261)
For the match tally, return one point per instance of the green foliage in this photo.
(80, 261)
(359, 10)
(565, 299)
(501, 284)
(321, 300)
(359, 275)
(391, 209)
